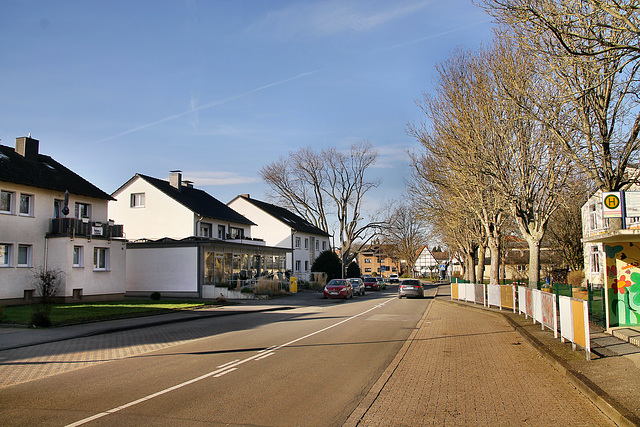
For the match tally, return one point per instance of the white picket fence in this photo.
(572, 320)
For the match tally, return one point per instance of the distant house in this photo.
(37, 230)
(426, 264)
(376, 260)
(184, 241)
(282, 228)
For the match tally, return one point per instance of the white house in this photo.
(426, 263)
(184, 241)
(37, 231)
(282, 228)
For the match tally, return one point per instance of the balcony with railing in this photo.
(85, 228)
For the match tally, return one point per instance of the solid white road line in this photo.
(223, 369)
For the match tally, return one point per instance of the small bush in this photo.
(2, 315)
(246, 290)
(40, 317)
(155, 296)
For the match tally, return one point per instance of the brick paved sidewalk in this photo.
(465, 366)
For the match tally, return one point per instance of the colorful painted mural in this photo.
(623, 283)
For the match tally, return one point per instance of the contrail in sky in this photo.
(209, 105)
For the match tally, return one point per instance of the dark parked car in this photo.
(371, 283)
(357, 285)
(338, 288)
(410, 288)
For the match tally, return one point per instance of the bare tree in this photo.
(406, 232)
(317, 185)
(590, 53)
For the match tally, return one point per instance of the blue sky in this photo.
(219, 89)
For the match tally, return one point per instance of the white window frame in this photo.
(222, 232)
(306, 243)
(306, 266)
(78, 256)
(298, 244)
(6, 255)
(317, 245)
(298, 265)
(100, 263)
(595, 259)
(79, 211)
(28, 251)
(324, 246)
(137, 200)
(367, 260)
(11, 196)
(205, 229)
(30, 198)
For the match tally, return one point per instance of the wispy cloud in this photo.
(196, 108)
(320, 19)
(437, 35)
(203, 178)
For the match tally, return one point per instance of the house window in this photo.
(83, 210)
(367, 260)
(306, 266)
(26, 205)
(100, 258)
(324, 246)
(6, 202)
(24, 255)
(595, 259)
(58, 205)
(593, 217)
(78, 256)
(382, 260)
(367, 270)
(236, 233)
(306, 243)
(298, 263)
(5, 254)
(205, 229)
(522, 268)
(137, 200)
(297, 242)
(317, 245)
(221, 232)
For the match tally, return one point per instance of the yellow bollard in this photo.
(293, 285)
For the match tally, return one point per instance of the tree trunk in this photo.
(482, 251)
(534, 261)
(494, 271)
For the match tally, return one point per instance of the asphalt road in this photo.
(310, 365)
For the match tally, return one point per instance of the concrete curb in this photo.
(607, 404)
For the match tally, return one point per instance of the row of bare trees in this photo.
(511, 131)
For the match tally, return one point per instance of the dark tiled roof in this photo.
(287, 217)
(198, 201)
(44, 173)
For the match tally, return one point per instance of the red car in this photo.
(338, 288)
(371, 283)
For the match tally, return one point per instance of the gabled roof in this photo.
(198, 201)
(286, 217)
(44, 172)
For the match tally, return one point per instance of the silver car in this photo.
(358, 286)
(410, 288)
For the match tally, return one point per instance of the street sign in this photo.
(611, 206)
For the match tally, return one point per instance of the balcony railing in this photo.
(86, 228)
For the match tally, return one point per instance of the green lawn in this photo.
(65, 314)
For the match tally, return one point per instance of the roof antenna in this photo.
(29, 135)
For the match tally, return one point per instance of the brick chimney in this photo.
(27, 147)
(175, 179)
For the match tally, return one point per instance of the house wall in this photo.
(160, 217)
(169, 269)
(93, 284)
(16, 229)
(593, 224)
(426, 264)
(272, 231)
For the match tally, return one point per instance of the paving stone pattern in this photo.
(468, 367)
